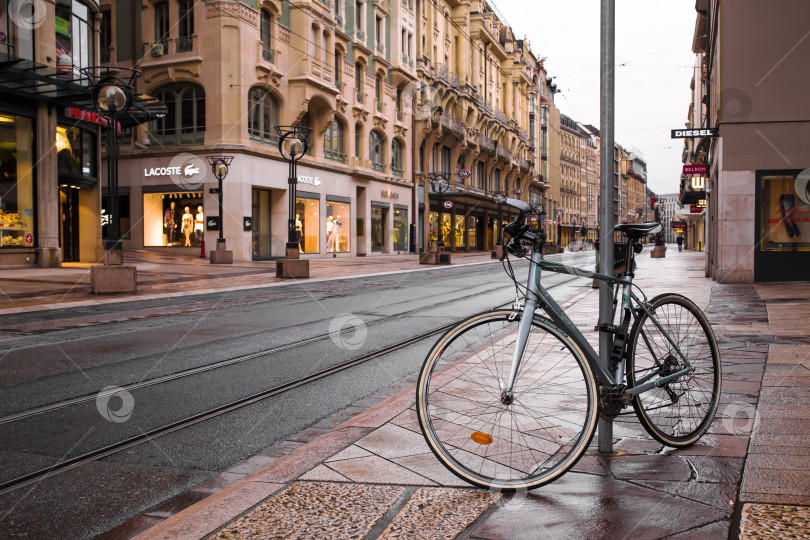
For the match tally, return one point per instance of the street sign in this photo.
(700, 168)
(212, 223)
(447, 205)
(678, 225)
(247, 223)
(464, 174)
(518, 191)
(696, 208)
(694, 133)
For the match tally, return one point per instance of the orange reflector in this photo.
(481, 438)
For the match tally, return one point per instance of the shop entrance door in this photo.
(69, 216)
(261, 224)
(379, 228)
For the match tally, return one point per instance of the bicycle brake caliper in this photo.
(517, 307)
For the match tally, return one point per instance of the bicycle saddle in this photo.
(637, 230)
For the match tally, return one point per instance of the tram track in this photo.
(145, 436)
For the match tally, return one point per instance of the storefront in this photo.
(467, 221)
(336, 215)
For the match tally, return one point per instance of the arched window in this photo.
(262, 116)
(333, 141)
(266, 37)
(184, 122)
(376, 151)
(397, 158)
(358, 81)
(358, 147)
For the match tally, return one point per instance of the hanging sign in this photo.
(700, 168)
(447, 205)
(693, 133)
(464, 173)
(518, 191)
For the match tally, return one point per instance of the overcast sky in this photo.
(654, 58)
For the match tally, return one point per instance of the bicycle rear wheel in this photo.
(680, 412)
(521, 444)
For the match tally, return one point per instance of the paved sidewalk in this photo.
(370, 475)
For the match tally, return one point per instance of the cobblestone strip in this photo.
(438, 513)
(775, 521)
(317, 511)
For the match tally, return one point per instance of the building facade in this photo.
(749, 77)
(49, 134)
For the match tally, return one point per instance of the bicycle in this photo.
(509, 399)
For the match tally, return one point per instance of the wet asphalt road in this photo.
(160, 338)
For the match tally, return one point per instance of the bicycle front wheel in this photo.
(502, 444)
(680, 412)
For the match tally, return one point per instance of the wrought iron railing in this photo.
(268, 54)
(486, 143)
(184, 44)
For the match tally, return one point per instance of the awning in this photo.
(39, 82)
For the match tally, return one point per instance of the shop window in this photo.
(76, 152)
(379, 223)
(400, 228)
(263, 114)
(184, 122)
(173, 219)
(333, 141)
(471, 232)
(15, 40)
(16, 182)
(74, 38)
(397, 162)
(260, 229)
(785, 212)
(377, 151)
(105, 38)
(338, 226)
(307, 224)
(124, 221)
(459, 231)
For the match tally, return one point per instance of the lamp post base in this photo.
(221, 255)
(113, 257)
(292, 268)
(114, 279)
(658, 252)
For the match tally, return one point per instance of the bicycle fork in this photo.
(524, 328)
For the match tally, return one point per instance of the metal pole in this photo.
(292, 181)
(607, 98)
(221, 217)
(114, 228)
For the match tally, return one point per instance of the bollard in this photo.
(202, 247)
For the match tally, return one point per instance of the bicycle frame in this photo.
(537, 296)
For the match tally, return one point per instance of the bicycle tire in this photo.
(507, 447)
(682, 420)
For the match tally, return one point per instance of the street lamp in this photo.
(219, 167)
(293, 143)
(112, 94)
(440, 183)
(559, 214)
(499, 197)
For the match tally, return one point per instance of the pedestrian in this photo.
(680, 242)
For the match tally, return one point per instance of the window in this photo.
(400, 228)
(358, 130)
(358, 18)
(333, 141)
(338, 65)
(17, 212)
(307, 226)
(378, 93)
(397, 162)
(784, 224)
(105, 40)
(173, 219)
(76, 152)
(399, 104)
(74, 37)
(184, 122)
(379, 222)
(266, 36)
(376, 151)
(162, 26)
(306, 121)
(263, 114)
(358, 81)
(481, 175)
(496, 180)
(422, 156)
(338, 224)
(445, 159)
(185, 25)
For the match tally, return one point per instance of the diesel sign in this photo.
(690, 133)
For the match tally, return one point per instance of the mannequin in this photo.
(198, 224)
(187, 226)
(169, 224)
(299, 230)
(330, 235)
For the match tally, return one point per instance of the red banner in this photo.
(700, 168)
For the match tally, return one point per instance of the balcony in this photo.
(524, 164)
(360, 35)
(379, 105)
(380, 48)
(183, 44)
(396, 171)
(360, 97)
(486, 143)
(378, 166)
(339, 20)
(502, 152)
(501, 117)
(268, 54)
(334, 155)
(452, 124)
(339, 86)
